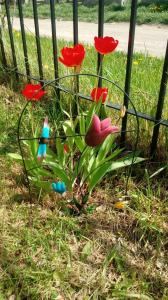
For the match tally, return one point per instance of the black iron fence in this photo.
(157, 120)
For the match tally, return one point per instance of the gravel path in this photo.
(148, 38)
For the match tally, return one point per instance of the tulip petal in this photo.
(105, 45)
(114, 129)
(105, 123)
(99, 131)
(95, 123)
(110, 129)
(72, 56)
(33, 92)
(99, 94)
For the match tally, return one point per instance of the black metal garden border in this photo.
(157, 120)
(56, 84)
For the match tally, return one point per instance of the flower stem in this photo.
(99, 71)
(76, 89)
(102, 108)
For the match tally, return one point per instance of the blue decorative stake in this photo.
(43, 140)
(59, 187)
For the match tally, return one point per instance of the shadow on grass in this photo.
(20, 198)
(119, 223)
(111, 231)
(10, 145)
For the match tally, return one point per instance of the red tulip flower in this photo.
(98, 94)
(73, 56)
(105, 45)
(33, 92)
(66, 148)
(99, 130)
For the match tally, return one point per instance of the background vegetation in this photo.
(153, 12)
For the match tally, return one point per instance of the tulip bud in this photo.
(66, 148)
(122, 111)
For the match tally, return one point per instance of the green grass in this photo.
(153, 13)
(109, 254)
(146, 76)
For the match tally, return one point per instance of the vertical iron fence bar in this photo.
(36, 24)
(7, 3)
(4, 61)
(75, 21)
(161, 99)
(129, 65)
(100, 34)
(75, 40)
(24, 40)
(54, 42)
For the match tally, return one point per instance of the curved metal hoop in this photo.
(56, 84)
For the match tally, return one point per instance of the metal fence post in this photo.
(75, 21)
(75, 40)
(4, 61)
(7, 4)
(159, 110)
(100, 34)
(129, 66)
(38, 44)
(24, 39)
(54, 42)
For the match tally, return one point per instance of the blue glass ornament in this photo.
(45, 134)
(59, 187)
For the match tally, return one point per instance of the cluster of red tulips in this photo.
(73, 57)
